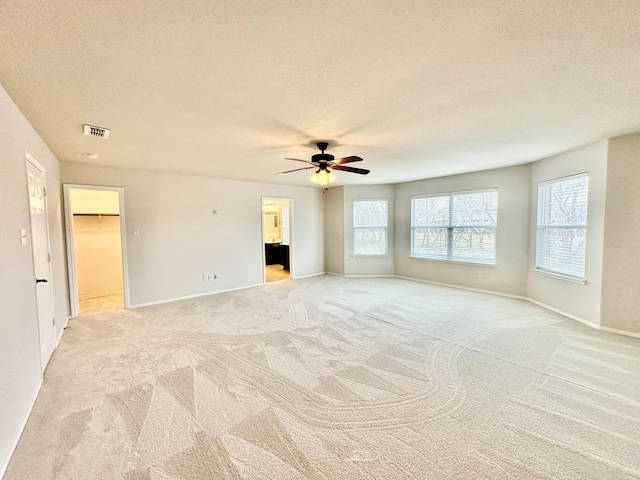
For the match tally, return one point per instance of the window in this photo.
(458, 226)
(561, 235)
(370, 221)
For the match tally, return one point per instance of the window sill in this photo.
(370, 255)
(579, 281)
(460, 262)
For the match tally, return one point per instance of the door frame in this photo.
(291, 235)
(74, 297)
(38, 166)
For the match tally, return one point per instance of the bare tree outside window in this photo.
(455, 226)
(561, 237)
(370, 221)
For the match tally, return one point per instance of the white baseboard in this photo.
(461, 287)
(532, 300)
(198, 295)
(362, 276)
(584, 321)
(619, 332)
(61, 333)
(449, 285)
(308, 276)
(369, 276)
(18, 434)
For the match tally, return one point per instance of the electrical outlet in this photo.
(479, 273)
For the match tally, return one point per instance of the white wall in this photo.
(20, 375)
(577, 299)
(509, 276)
(181, 239)
(621, 270)
(339, 231)
(334, 230)
(367, 265)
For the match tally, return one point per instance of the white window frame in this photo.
(545, 268)
(359, 228)
(449, 257)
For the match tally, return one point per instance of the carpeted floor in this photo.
(333, 378)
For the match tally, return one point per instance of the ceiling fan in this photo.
(324, 162)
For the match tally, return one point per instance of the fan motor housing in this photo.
(322, 157)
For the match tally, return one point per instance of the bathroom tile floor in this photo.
(276, 272)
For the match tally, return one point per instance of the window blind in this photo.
(561, 235)
(370, 221)
(460, 226)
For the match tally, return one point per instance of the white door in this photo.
(41, 260)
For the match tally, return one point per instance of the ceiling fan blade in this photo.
(295, 170)
(350, 159)
(361, 171)
(298, 160)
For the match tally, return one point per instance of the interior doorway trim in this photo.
(74, 298)
(291, 236)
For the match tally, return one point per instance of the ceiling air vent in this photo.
(94, 131)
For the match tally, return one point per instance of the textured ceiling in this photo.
(228, 89)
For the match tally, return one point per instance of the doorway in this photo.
(41, 258)
(277, 238)
(96, 248)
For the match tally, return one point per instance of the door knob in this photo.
(38, 280)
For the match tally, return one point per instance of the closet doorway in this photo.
(95, 248)
(277, 238)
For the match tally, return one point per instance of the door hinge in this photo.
(44, 191)
(49, 257)
(54, 322)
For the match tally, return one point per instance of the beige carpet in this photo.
(333, 378)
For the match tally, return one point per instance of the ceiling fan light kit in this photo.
(323, 161)
(323, 177)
